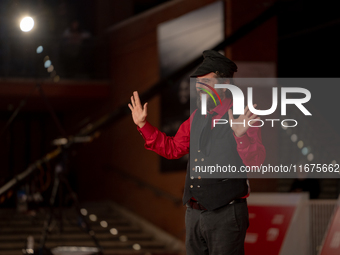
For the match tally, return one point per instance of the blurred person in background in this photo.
(74, 50)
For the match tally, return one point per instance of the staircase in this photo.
(117, 230)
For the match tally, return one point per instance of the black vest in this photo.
(213, 147)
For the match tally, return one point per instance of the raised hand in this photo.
(240, 129)
(139, 113)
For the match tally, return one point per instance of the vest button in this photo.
(191, 186)
(198, 186)
(192, 177)
(195, 159)
(240, 142)
(202, 159)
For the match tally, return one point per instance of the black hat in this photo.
(216, 63)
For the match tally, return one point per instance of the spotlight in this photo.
(26, 24)
(40, 49)
(294, 138)
(300, 144)
(136, 247)
(114, 231)
(50, 68)
(310, 156)
(83, 211)
(103, 224)
(47, 64)
(305, 151)
(123, 238)
(93, 217)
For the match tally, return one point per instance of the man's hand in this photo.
(240, 129)
(139, 113)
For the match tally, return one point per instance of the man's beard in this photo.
(210, 102)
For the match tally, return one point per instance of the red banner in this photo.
(267, 228)
(332, 242)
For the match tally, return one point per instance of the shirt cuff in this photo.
(147, 130)
(243, 141)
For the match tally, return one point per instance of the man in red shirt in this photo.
(217, 213)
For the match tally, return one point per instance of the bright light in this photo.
(93, 217)
(40, 49)
(310, 156)
(103, 224)
(300, 144)
(26, 24)
(136, 247)
(47, 63)
(305, 151)
(50, 68)
(113, 231)
(123, 238)
(83, 211)
(294, 138)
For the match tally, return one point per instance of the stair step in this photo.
(68, 229)
(105, 244)
(40, 222)
(16, 227)
(100, 236)
(111, 252)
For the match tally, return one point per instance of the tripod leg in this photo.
(47, 222)
(76, 203)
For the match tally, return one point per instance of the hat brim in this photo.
(200, 71)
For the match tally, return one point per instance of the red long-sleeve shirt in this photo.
(249, 146)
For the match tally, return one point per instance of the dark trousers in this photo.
(217, 232)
